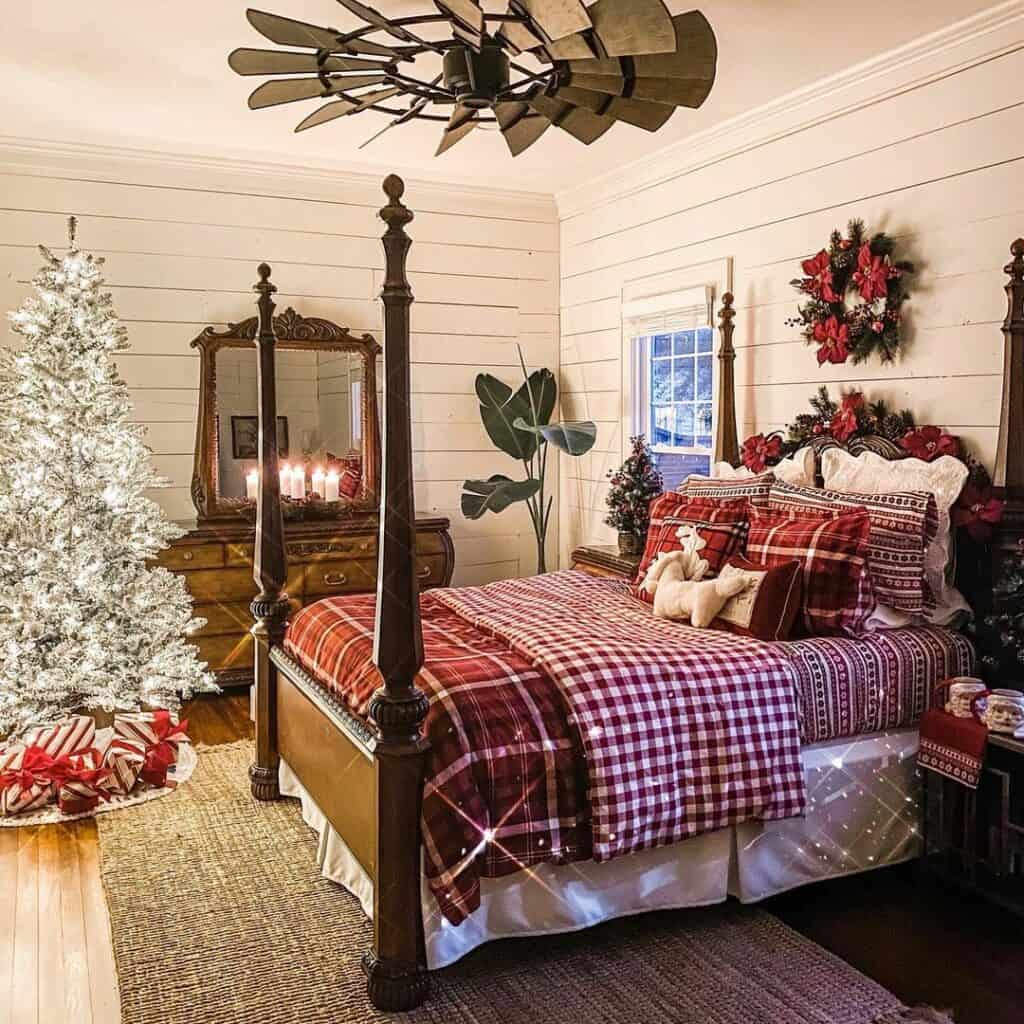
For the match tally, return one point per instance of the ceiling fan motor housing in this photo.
(476, 78)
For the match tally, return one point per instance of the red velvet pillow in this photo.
(832, 552)
(721, 524)
(768, 608)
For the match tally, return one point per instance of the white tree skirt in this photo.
(51, 813)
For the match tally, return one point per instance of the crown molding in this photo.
(990, 33)
(41, 156)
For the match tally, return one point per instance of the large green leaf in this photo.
(495, 494)
(500, 407)
(574, 438)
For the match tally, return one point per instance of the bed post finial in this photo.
(270, 565)
(397, 978)
(727, 446)
(1008, 472)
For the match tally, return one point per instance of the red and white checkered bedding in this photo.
(567, 722)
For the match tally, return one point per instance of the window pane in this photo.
(661, 345)
(684, 426)
(702, 425)
(704, 377)
(684, 343)
(661, 424)
(682, 381)
(661, 381)
(705, 339)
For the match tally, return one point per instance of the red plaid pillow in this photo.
(903, 523)
(832, 552)
(721, 524)
(754, 489)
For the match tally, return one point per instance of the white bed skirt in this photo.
(863, 812)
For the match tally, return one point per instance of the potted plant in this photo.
(519, 423)
(633, 485)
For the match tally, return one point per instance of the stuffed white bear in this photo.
(676, 579)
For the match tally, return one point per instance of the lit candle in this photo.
(299, 483)
(286, 481)
(318, 481)
(252, 481)
(331, 486)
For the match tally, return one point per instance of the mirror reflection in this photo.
(320, 423)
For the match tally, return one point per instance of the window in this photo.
(673, 382)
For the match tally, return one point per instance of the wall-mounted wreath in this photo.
(856, 291)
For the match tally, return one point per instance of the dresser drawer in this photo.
(231, 585)
(341, 576)
(192, 556)
(224, 652)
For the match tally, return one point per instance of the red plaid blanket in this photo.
(567, 722)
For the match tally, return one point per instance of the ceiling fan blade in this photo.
(375, 18)
(520, 128)
(641, 26)
(368, 46)
(574, 47)
(676, 92)
(244, 61)
(518, 35)
(413, 110)
(288, 32)
(460, 115)
(580, 123)
(641, 114)
(288, 90)
(694, 59)
(326, 113)
(452, 136)
(467, 12)
(557, 18)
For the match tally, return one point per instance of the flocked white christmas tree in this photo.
(84, 622)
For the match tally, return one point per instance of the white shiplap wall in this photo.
(183, 237)
(925, 144)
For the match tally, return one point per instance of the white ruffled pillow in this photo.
(945, 477)
(798, 469)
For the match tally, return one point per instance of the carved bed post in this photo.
(270, 606)
(727, 446)
(396, 971)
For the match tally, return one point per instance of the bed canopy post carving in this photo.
(397, 979)
(727, 445)
(1008, 473)
(270, 606)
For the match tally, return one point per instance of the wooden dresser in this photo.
(324, 558)
(605, 560)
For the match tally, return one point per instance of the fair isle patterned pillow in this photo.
(721, 524)
(754, 488)
(832, 552)
(903, 523)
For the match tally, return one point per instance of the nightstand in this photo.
(605, 560)
(975, 838)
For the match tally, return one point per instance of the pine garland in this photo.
(633, 486)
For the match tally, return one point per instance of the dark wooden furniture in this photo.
(975, 838)
(324, 558)
(605, 560)
(367, 777)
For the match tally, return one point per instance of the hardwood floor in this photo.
(56, 963)
(925, 943)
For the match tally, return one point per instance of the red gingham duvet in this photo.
(567, 722)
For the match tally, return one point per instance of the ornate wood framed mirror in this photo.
(328, 427)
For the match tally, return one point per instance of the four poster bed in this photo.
(482, 770)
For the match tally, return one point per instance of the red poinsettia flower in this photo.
(977, 510)
(819, 277)
(833, 339)
(844, 424)
(929, 443)
(757, 450)
(871, 274)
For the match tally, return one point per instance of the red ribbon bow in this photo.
(162, 755)
(86, 767)
(37, 768)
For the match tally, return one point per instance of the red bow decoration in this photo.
(37, 768)
(86, 767)
(162, 755)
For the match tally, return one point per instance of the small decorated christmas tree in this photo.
(84, 622)
(633, 486)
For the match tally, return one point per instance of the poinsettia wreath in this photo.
(863, 268)
(976, 510)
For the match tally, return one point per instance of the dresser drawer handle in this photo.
(335, 579)
(424, 573)
(188, 556)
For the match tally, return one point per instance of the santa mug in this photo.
(963, 692)
(1003, 711)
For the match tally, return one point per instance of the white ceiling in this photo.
(154, 75)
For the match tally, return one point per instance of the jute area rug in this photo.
(219, 915)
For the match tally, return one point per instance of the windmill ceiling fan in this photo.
(614, 60)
